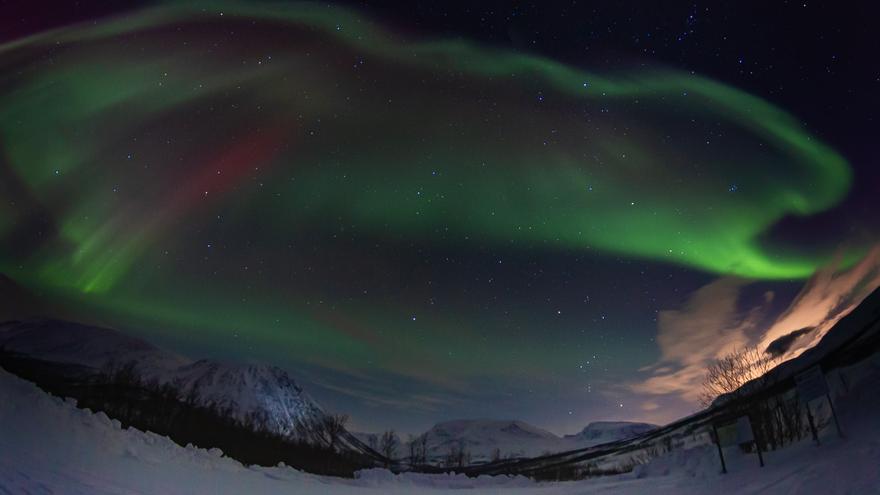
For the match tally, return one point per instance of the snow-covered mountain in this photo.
(264, 396)
(480, 437)
(483, 438)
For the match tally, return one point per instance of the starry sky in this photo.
(555, 212)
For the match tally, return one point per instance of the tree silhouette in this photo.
(728, 373)
(388, 446)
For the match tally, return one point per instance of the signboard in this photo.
(738, 433)
(811, 384)
(744, 433)
(726, 435)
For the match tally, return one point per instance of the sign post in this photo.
(736, 433)
(812, 424)
(745, 435)
(834, 415)
(811, 385)
(718, 444)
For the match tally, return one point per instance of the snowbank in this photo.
(383, 478)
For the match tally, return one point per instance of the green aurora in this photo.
(143, 141)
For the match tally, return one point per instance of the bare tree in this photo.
(423, 448)
(419, 449)
(388, 445)
(451, 456)
(730, 372)
(303, 431)
(412, 443)
(332, 426)
(457, 456)
(496, 454)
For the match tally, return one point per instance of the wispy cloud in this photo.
(826, 298)
(384, 389)
(707, 327)
(407, 402)
(709, 324)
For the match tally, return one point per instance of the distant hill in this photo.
(482, 439)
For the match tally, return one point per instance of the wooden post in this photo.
(812, 425)
(834, 415)
(718, 444)
(757, 442)
(760, 454)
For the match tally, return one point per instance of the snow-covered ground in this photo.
(47, 445)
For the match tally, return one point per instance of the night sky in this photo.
(550, 211)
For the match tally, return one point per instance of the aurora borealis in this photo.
(420, 224)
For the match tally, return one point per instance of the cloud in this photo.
(709, 325)
(826, 298)
(705, 328)
(385, 390)
(782, 345)
(407, 402)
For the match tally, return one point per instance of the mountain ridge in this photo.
(264, 396)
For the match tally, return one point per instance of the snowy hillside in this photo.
(49, 446)
(263, 395)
